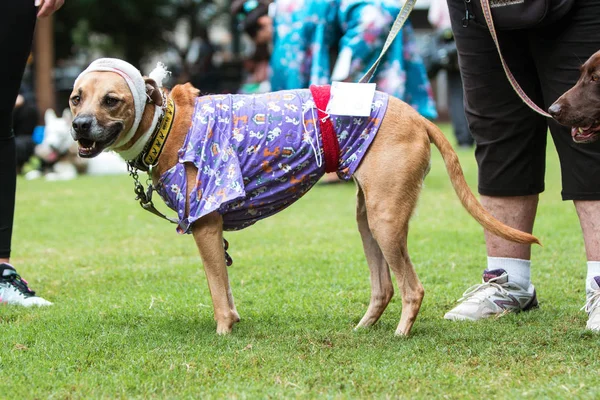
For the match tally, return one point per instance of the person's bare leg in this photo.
(514, 258)
(589, 219)
(517, 212)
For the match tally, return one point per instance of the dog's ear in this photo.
(49, 116)
(153, 92)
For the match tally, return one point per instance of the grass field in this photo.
(133, 317)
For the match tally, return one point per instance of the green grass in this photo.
(133, 317)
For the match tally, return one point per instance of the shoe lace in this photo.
(479, 292)
(592, 302)
(21, 285)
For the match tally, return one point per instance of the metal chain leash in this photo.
(145, 198)
(145, 195)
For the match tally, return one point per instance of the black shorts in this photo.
(510, 137)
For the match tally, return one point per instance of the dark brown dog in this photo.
(389, 180)
(579, 107)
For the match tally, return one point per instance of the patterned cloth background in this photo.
(307, 32)
(257, 154)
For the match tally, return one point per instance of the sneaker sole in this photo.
(458, 317)
(595, 329)
(36, 303)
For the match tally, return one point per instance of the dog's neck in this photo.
(148, 126)
(144, 151)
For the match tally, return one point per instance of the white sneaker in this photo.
(14, 289)
(592, 305)
(495, 296)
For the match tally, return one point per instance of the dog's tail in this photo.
(466, 196)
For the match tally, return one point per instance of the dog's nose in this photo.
(82, 124)
(555, 110)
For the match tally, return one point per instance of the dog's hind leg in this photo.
(388, 223)
(382, 288)
(391, 176)
(408, 281)
(388, 213)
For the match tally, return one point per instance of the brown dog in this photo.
(579, 107)
(389, 181)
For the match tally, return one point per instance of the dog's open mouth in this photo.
(105, 137)
(587, 134)
(89, 148)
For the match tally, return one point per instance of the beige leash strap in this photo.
(485, 5)
(398, 23)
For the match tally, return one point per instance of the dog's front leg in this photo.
(208, 234)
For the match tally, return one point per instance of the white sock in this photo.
(519, 271)
(593, 269)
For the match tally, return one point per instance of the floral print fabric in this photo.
(308, 31)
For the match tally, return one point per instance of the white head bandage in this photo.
(137, 86)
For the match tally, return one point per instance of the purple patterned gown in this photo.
(257, 154)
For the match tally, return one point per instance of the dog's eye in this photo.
(595, 78)
(110, 101)
(75, 100)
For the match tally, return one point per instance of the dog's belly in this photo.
(258, 154)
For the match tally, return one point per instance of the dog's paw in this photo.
(225, 325)
(223, 330)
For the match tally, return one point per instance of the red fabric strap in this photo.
(331, 146)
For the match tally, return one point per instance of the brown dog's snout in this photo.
(555, 109)
(82, 124)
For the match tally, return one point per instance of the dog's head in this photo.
(108, 101)
(579, 107)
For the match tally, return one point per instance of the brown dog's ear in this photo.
(153, 92)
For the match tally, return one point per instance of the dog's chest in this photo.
(257, 154)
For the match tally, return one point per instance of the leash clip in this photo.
(145, 196)
(149, 193)
(140, 194)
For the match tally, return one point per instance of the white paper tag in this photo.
(352, 99)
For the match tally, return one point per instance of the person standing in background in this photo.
(319, 41)
(254, 20)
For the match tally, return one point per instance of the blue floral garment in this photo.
(258, 154)
(307, 31)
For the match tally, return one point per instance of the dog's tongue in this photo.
(52, 157)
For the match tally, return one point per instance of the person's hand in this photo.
(19, 101)
(48, 7)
